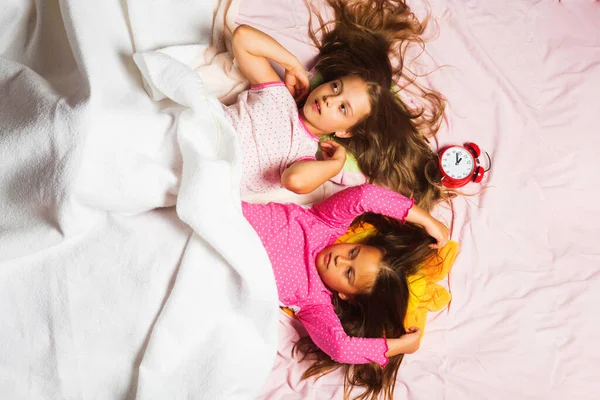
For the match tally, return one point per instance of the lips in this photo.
(317, 107)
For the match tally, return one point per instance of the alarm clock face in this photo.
(457, 162)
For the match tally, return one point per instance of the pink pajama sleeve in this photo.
(341, 208)
(326, 331)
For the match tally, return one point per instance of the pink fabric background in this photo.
(521, 79)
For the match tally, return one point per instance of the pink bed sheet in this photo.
(522, 80)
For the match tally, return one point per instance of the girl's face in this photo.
(348, 267)
(336, 106)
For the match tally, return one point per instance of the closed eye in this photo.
(354, 252)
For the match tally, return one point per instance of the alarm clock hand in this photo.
(458, 160)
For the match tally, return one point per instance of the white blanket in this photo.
(102, 295)
(225, 267)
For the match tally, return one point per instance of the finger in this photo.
(303, 95)
(303, 78)
(291, 89)
(302, 92)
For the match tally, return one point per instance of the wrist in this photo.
(419, 216)
(291, 63)
(339, 163)
(409, 343)
(333, 166)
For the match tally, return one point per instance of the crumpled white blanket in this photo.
(104, 292)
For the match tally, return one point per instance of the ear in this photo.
(343, 296)
(343, 134)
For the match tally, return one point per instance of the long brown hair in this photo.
(379, 312)
(391, 146)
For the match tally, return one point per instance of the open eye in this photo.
(348, 273)
(336, 87)
(343, 109)
(353, 253)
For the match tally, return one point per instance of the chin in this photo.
(320, 261)
(308, 115)
(307, 109)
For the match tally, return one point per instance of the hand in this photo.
(332, 150)
(405, 344)
(412, 339)
(296, 81)
(439, 232)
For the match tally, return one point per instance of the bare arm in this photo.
(434, 228)
(405, 344)
(253, 48)
(305, 176)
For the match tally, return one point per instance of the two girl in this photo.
(351, 298)
(357, 104)
(355, 288)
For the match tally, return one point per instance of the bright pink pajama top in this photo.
(293, 236)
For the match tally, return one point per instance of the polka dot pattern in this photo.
(293, 236)
(272, 135)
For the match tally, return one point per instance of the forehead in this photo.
(367, 266)
(357, 92)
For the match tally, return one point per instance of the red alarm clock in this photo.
(459, 165)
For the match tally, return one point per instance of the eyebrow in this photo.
(340, 92)
(353, 272)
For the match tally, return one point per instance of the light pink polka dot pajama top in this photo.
(293, 236)
(272, 134)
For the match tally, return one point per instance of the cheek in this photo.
(334, 119)
(332, 280)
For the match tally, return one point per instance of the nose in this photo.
(329, 100)
(341, 261)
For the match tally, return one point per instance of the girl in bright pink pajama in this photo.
(310, 270)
